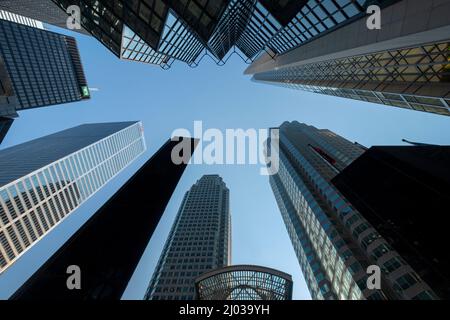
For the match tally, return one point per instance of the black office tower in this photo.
(161, 31)
(108, 247)
(38, 68)
(404, 192)
(5, 124)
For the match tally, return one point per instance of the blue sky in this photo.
(221, 97)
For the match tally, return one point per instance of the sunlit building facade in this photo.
(44, 180)
(404, 64)
(199, 241)
(333, 242)
(43, 11)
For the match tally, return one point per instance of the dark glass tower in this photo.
(38, 68)
(44, 180)
(108, 247)
(5, 124)
(200, 240)
(404, 192)
(166, 30)
(404, 64)
(8, 101)
(334, 242)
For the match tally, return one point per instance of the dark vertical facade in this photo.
(328, 49)
(217, 28)
(8, 101)
(8, 98)
(404, 192)
(108, 247)
(44, 67)
(334, 242)
(5, 124)
(199, 241)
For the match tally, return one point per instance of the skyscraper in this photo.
(161, 31)
(334, 243)
(199, 241)
(404, 192)
(42, 10)
(5, 124)
(108, 247)
(38, 68)
(7, 101)
(44, 180)
(404, 64)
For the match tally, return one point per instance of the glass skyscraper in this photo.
(404, 64)
(333, 242)
(160, 31)
(37, 67)
(44, 180)
(200, 240)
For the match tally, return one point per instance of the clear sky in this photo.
(221, 97)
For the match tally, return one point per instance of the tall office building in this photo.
(200, 240)
(334, 243)
(5, 124)
(109, 246)
(404, 64)
(44, 180)
(161, 31)
(40, 10)
(404, 192)
(37, 68)
(7, 101)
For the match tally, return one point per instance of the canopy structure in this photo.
(244, 282)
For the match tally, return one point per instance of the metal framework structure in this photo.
(244, 282)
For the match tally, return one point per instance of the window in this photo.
(391, 265)
(406, 281)
(380, 250)
(355, 267)
(367, 240)
(424, 295)
(360, 229)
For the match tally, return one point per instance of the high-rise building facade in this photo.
(199, 241)
(7, 101)
(109, 246)
(5, 124)
(7, 15)
(40, 10)
(334, 243)
(165, 30)
(44, 67)
(44, 180)
(404, 192)
(404, 64)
